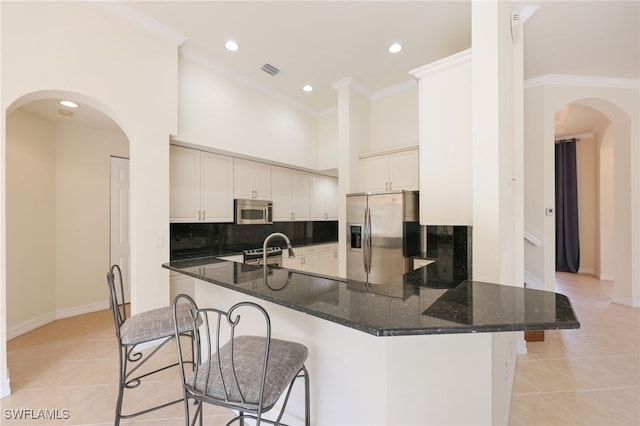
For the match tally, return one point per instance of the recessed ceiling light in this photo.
(69, 104)
(395, 48)
(307, 88)
(231, 46)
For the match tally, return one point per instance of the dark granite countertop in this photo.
(414, 304)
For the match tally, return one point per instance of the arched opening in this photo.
(612, 165)
(57, 207)
(586, 129)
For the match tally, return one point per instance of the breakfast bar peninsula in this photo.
(415, 351)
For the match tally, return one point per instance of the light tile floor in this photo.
(588, 376)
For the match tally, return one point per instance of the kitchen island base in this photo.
(360, 379)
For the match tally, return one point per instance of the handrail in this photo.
(532, 237)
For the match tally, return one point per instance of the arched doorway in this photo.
(57, 207)
(588, 129)
(617, 139)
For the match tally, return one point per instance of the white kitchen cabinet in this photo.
(324, 198)
(446, 176)
(252, 179)
(318, 259)
(180, 284)
(291, 194)
(328, 257)
(201, 186)
(391, 171)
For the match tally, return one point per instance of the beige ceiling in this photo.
(322, 42)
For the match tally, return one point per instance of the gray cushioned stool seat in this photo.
(154, 324)
(285, 361)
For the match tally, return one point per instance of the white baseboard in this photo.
(606, 277)
(532, 281)
(32, 324)
(82, 309)
(5, 386)
(521, 345)
(632, 303)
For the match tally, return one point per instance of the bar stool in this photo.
(232, 369)
(132, 331)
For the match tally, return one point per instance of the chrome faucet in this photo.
(269, 237)
(265, 273)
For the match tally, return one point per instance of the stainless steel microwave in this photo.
(252, 212)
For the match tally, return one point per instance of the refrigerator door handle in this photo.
(368, 226)
(364, 242)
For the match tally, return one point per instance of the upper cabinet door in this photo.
(376, 173)
(201, 186)
(391, 172)
(262, 181)
(252, 179)
(404, 171)
(324, 198)
(300, 195)
(281, 193)
(184, 184)
(243, 182)
(217, 188)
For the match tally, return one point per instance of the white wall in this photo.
(31, 219)
(587, 174)
(218, 112)
(619, 101)
(58, 179)
(394, 120)
(328, 139)
(80, 50)
(83, 170)
(606, 214)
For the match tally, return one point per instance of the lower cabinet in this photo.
(318, 259)
(181, 284)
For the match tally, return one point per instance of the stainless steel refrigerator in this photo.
(383, 232)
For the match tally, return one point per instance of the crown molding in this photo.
(231, 74)
(442, 64)
(582, 80)
(392, 90)
(143, 21)
(351, 84)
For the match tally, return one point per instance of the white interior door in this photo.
(120, 218)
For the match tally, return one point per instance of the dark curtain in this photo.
(567, 240)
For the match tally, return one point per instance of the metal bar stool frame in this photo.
(226, 382)
(130, 354)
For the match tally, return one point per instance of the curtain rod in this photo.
(567, 140)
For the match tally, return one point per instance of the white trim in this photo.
(532, 281)
(5, 386)
(521, 345)
(218, 68)
(625, 301)
(442, 64)
(352, 84)
(392, 90)
(82, 309)
(582, 80)
(391, 151)
(143, 21)
(605, 277)
(32, 324)
(532, 237)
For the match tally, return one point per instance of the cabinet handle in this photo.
(204, 215)
(326, 215)
(199, 215)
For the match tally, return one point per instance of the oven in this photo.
(256, 256)
(253, 212)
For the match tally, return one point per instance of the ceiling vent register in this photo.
(270, 69)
